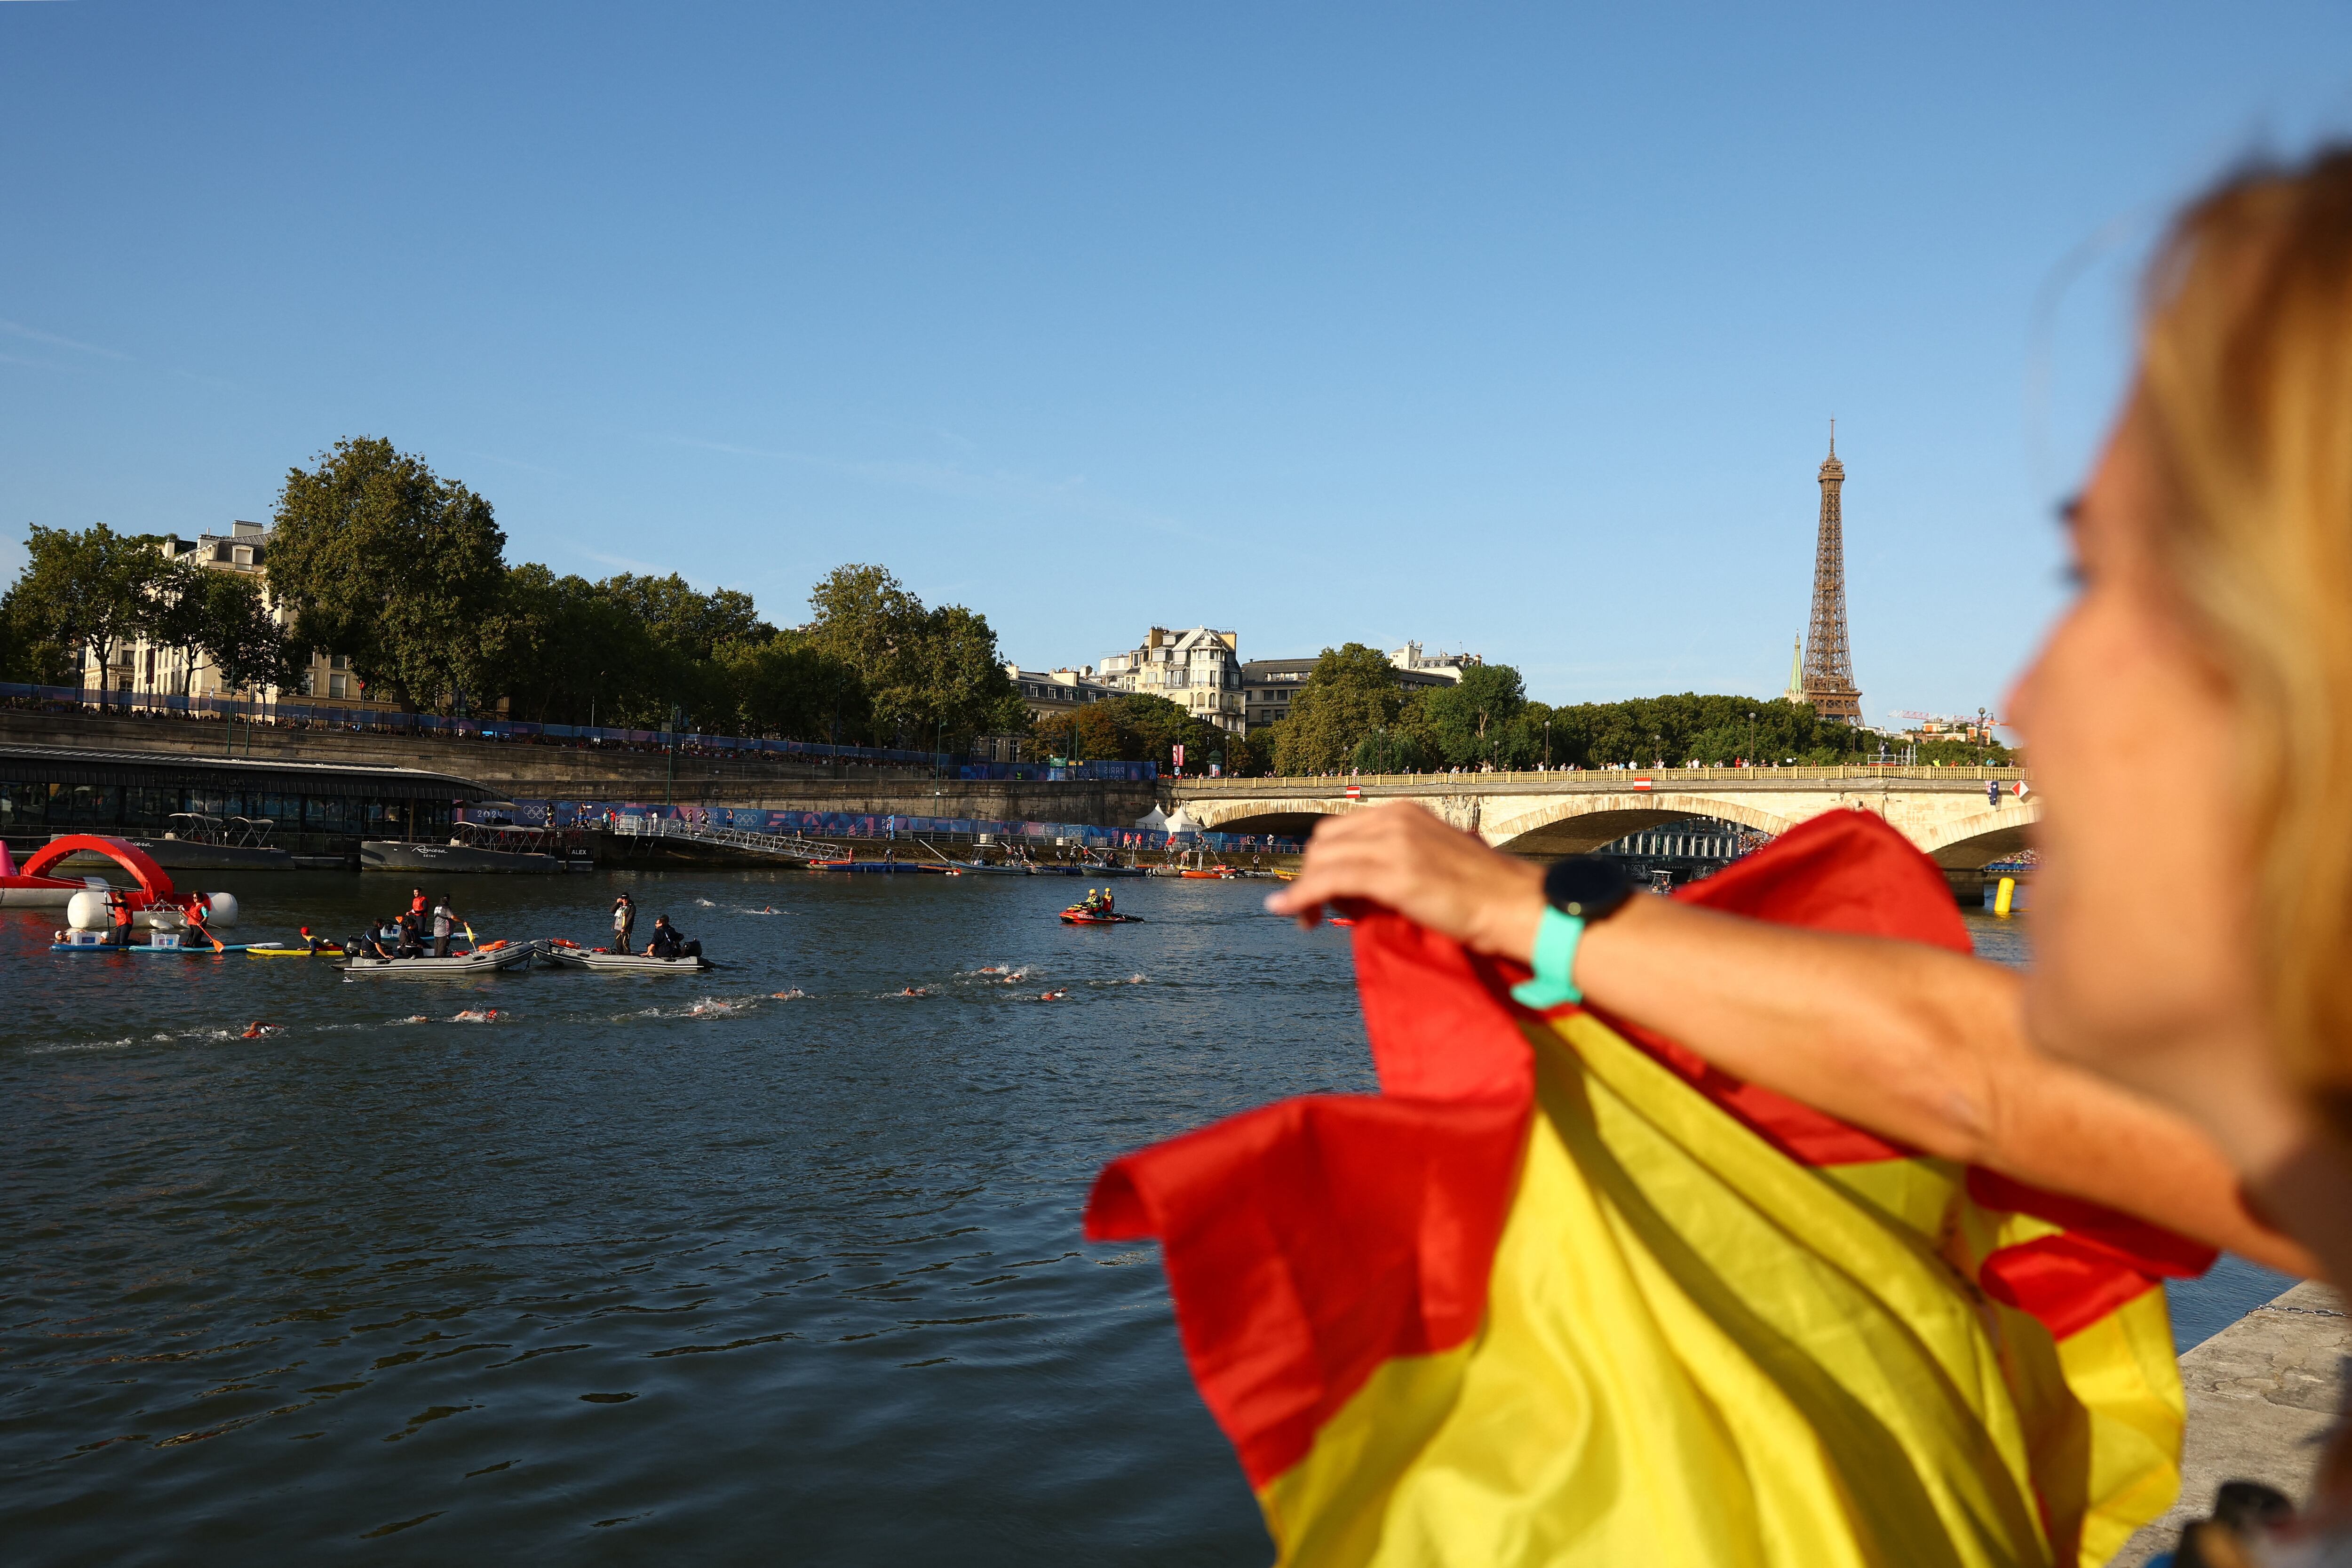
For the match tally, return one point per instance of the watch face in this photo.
(1587, 885)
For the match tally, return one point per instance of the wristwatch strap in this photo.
(1554, 983)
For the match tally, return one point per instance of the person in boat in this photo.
(118, 909)
(410, 942)
(668, 941)
(416, 901)
(446, 921)
(316, 945)
(624, 922)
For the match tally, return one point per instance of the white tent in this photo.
(1156, 821)
(1182, 822)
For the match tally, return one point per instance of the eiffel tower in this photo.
(1828, 660)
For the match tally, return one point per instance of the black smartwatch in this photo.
(1589, 887)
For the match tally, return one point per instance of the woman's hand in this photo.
(1400, 856)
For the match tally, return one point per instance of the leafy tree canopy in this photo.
(1349, 694)
(1138, 727)
(384, 560)
(785, 685)
(238, 631)
(933, 675)
(690, 623)
(86, 592)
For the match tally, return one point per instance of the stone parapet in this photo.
(2263, 1395)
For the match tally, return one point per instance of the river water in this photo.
(670, 1268)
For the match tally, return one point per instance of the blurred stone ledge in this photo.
(2263, 1395)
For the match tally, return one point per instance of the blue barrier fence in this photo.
(852, 826)
(389, 722)
(1049, 773)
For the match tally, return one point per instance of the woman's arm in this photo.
(1914, 1043)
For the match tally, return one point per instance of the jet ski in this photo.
(571, 955)
(1079, 915)
(482, 960)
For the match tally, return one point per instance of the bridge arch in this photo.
(1968, 843)
(152, 879)
(1578, 824)
(1287, 819)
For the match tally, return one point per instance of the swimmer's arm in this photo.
(1916, 1044)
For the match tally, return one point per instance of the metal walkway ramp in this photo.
(782, 845)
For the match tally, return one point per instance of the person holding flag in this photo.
(1765, 1224)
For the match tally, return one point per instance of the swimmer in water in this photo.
(1051, 995)
(256, 1029)
(476, 1016)
(914, 991)
(787, 995)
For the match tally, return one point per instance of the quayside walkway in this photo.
(1963, 818)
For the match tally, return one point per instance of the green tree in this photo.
(1351, 693)
(787, 687)
(1713, 729)
(1398, 749)
(30, 648)
(383, 558)
(571, 654)
(685, 630)
(178, 613)
(86, 593)
(1137, 727)
(242, 636)
(1479, 718)
(931, 674)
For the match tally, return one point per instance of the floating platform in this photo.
(396, 855)
(192, 949)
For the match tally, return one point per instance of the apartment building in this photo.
(1058, 691)
(1269, 686)
(1200, 670)
(140, 665)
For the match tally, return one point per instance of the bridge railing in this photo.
(1597, 779)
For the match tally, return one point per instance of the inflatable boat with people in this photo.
(483, 960)
(565, 955)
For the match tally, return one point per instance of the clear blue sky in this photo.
(1510, 326)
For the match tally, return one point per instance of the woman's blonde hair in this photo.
(2247, 385)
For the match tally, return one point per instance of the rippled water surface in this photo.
(663, 1268)
(644, 1266)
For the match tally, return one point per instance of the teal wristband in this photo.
(1554, 963)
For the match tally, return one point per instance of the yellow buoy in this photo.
(2004, 895)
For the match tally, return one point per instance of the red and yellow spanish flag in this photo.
(1561, 1293)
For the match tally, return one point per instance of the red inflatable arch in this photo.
(152, 879)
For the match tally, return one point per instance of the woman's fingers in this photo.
(1402, 858)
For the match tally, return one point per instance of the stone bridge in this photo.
(1944, 810)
